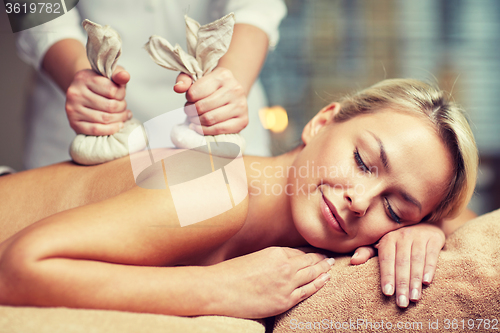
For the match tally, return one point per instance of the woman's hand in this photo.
(96, 105)
(268, 282)
(408, 258)
(219, 99)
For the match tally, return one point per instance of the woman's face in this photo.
(366, 177)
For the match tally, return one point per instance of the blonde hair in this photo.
(425, 100)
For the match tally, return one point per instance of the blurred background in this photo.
(332, 47)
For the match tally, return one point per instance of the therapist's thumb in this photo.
(183, 83)
(120, 76)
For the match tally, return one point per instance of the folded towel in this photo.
(205, 45)
(17, 319)
(464, 296)
(103, 50)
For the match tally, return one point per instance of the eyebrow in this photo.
(387, 167)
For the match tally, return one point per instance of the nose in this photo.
(357, 202)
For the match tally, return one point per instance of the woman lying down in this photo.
(89, 237)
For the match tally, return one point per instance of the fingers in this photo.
(309, 289)
(96, 105)
(309, 266)
(99, 123)
(403, 264)
(223, 120)
(220, 102)
(234, 125)
(386, 258)
(183, 82)
(220, 97)
(312, 274)
(209, 84)
(120, 76)
(431, 259)
(418, 251)
(216, 116)
(96, 129)
(362, 254)
(101, 103)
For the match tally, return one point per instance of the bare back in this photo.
(35, 194)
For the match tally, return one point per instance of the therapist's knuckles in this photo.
(208, 119)
(236, 89)
(193, 94)
(113, 106)
(223, 74)
(217, 129)
(102, 130)
(109, 118)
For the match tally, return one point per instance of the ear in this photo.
(324, 117)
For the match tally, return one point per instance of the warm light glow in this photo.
(274, 118)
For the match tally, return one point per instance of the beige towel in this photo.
(62, 320)
(103, 50)
(464, 296)
(205, 46)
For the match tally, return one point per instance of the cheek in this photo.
(371, 231)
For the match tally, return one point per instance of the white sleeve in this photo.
(32, 44)
(264, 14)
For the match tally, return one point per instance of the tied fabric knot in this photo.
(104, 47)
(205, 46)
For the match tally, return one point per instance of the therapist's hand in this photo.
(220, 101)
(96, 105)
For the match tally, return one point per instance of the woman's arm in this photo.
(87, 257)
(110, 255)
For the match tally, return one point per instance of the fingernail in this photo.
(325, 277)
(191, 126)
(129, 114)
(414, 294)
(355, 255)
(427, 278)
(121, 125)
(180, 82)
(388, 290)
(331, 261)
(403, 301)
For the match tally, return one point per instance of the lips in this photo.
(331, 215)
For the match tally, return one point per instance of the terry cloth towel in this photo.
(20, 319)
(103, 50)
(205, 46)
(464, 295)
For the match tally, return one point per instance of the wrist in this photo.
(219, 298)
(81, 63)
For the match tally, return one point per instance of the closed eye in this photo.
(391, 212)
(359, 161)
